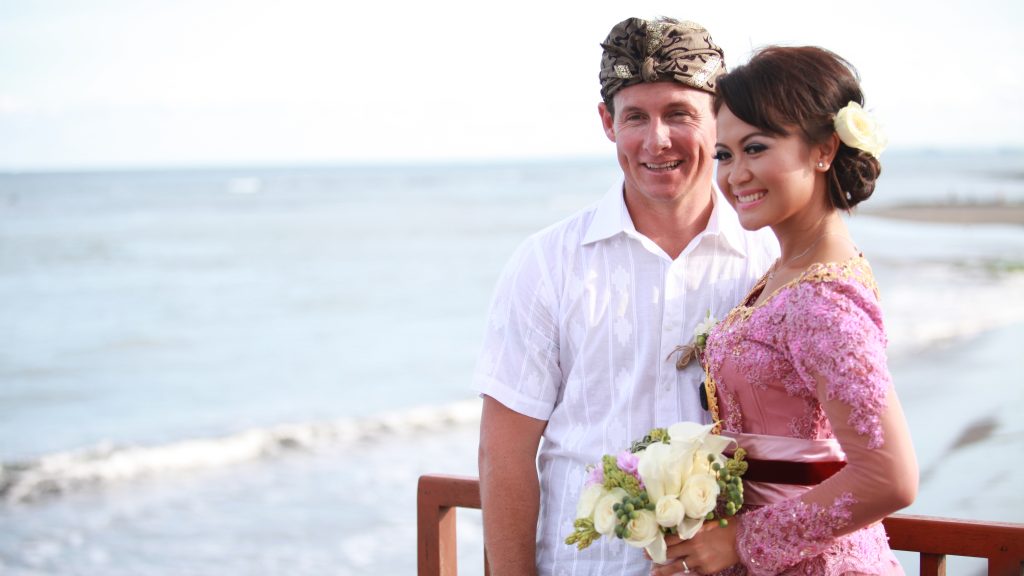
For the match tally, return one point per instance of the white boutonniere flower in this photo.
(695, 348)
(700, 333)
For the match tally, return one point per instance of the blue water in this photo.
(243, 371)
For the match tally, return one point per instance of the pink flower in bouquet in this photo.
(627, 462)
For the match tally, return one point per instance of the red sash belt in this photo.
(784, 472)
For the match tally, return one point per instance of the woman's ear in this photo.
(826, 152)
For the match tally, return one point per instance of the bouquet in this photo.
(670, 482)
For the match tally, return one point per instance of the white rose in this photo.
(857, 129)
(643, 529)
(669, 511)
(700, 494)
(588, 499)
(604, 517)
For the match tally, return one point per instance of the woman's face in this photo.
(770, 180)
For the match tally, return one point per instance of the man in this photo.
(580, 355)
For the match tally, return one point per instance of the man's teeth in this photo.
(751, 197)
(663, 165)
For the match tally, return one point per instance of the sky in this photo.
(104, 84)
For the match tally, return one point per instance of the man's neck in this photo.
(672, 226)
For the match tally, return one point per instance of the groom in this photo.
(579, 357)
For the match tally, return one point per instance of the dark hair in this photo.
(783, 88)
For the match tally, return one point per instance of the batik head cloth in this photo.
(638, 50)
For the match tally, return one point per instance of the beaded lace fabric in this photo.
(766, 360)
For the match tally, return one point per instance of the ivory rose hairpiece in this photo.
(857, 129)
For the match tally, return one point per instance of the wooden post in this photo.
(436, 500)
(933, 565)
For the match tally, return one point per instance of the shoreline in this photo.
(979, 213)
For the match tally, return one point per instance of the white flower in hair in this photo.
(857, 129)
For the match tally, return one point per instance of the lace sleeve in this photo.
(834, 331)
(836, 344)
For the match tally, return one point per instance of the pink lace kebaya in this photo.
(802, 377)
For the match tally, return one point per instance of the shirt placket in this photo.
(673, 317)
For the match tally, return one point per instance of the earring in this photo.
(821, 164)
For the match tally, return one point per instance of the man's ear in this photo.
(607, 121)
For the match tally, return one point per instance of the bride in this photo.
(797, 372)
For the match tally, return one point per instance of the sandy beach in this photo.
(975, 213)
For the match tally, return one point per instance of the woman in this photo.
(798, 369)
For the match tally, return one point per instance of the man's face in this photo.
(664, 136)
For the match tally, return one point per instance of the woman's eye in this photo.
(721, 155)
(754, 148)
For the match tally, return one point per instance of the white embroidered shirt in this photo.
(581, 333)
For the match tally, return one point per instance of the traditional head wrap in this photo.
(638, 50)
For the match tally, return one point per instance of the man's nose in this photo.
(658, 137)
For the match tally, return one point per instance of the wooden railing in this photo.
(1002, 544)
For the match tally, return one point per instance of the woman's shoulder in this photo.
(828, 293)
(852, 277)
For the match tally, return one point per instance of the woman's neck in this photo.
(822, 239)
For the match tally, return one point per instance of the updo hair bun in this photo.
(852, 177)
(784, 90)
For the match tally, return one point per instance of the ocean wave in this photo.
(945, 304)
(62, 472)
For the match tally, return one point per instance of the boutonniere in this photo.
(695, 349)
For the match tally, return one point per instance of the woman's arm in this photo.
(836, 344)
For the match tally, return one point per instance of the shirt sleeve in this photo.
(836, 343)
(519, 361)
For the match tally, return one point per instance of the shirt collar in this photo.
(611, 217)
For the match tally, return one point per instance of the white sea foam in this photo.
(58, 473)
(943, 304)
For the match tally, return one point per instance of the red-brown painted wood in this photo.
(1002, 543)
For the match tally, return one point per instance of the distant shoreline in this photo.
(974, 213)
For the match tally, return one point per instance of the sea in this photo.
(245, 370)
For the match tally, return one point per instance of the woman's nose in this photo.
(737, 172)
